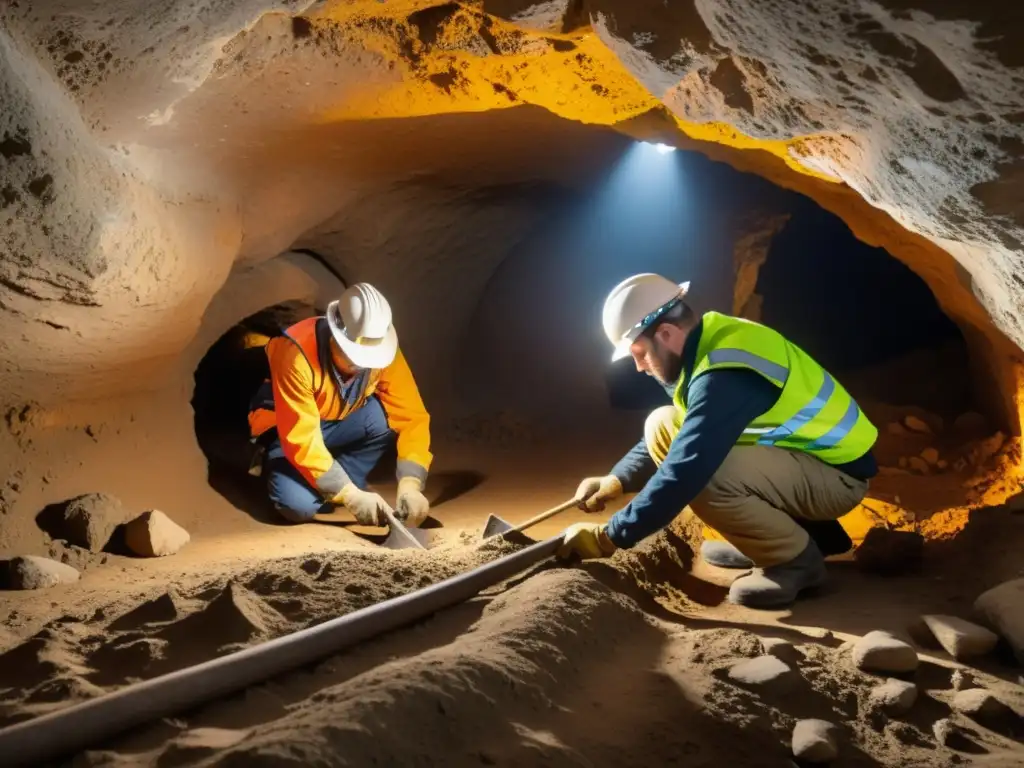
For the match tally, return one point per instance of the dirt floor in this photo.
(613, 663)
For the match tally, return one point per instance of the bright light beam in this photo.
(664, 149)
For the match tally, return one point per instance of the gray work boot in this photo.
(724, 555)
(778, 585)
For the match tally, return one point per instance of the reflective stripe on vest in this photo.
(813, 413)
(773, 371)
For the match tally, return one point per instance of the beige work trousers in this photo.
(757, 491)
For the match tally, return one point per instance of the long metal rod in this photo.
(69, 730)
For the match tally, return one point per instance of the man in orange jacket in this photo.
(339, 391)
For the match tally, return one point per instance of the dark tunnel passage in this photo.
(864, 315)
(228, 376)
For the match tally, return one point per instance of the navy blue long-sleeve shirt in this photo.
(720, 405)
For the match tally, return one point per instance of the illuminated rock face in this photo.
(156, 158)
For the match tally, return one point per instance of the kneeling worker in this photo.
(338, 392)
(762, 443)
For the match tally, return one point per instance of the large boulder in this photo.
(1002, 608)
(154, 534)
(89, 521)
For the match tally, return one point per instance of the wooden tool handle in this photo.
(542, 517)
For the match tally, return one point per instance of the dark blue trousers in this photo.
(358, 441)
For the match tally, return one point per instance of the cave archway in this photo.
(228, 376)
(864, 315)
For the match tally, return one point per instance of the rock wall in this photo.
(150, 151)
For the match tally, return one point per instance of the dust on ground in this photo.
(622, 662)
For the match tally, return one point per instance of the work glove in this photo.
(594, 492)
(367, 506)
(411, 506)
(588, 540)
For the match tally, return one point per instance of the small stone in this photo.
(880, 651)
(154, 534)
(943, 730)
(895, 697)
(930, 455)
(960, 639)
(1002, 608)
(780, 649)
(31, 572)
(961, 679)
(942, 464)
(919, 465)
(814, 741)
(902, 462)
(979, 703)
(895, 428)
(763, 672)
(915, 424)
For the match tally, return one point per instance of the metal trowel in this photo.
(496, 526)
(401, 537)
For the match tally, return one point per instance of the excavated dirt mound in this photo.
(623, 662)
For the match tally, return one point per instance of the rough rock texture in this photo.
(1003, 609)
(749, 253)
(154, 534)
(89, 521)
(880, 651)
(960, 639)
(30, 572)
(814, 741)
(159, 157)
(961, 680)
(895, 697)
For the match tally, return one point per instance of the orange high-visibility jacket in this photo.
(307, 390)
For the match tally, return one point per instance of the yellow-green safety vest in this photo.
(814, 414)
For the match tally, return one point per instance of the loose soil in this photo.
(621, 662)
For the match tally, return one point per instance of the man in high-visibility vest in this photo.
(762, 443)
(339, 392)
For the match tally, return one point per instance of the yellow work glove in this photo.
(367, 506)
(588, 540)
(594, 492)
(411, 506)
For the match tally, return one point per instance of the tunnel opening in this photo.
(864, 315)
(226, 379)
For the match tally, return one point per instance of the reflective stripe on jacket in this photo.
(813, 414)
(305, 389)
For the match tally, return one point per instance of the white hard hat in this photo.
(634, 304)
(360, 322)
